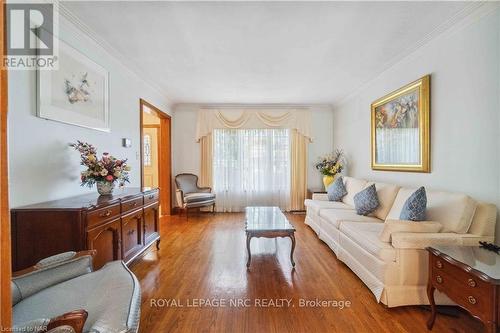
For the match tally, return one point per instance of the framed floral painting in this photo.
(76, 93)
(400, 129)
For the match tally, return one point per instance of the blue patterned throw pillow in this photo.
(366, 201)
(415, 206)
(337, 190)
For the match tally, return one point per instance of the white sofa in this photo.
(395, 268)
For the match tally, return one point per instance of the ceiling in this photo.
(262, 52)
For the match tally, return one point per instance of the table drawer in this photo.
(467, 280)
(102, 215)
(131, 204)
(151, 197)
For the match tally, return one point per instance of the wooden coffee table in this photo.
(268, 222)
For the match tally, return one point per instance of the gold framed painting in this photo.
(400, 129)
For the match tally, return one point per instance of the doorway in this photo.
(156, 159)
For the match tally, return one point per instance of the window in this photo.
(147, 150)
(251, 167)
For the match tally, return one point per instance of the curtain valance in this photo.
(210, 119)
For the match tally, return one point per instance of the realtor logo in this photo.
(30, 36)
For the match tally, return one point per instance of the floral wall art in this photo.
(76, 93)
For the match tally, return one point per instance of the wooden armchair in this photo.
(58, 294)
(190, 195)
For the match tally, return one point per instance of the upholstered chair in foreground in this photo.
(62, 293)
(190, 195)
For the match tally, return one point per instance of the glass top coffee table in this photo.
(268, 222)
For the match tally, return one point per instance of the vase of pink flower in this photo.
(104, 172)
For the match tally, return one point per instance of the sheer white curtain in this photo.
(251, 167)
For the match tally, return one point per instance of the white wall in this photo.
(42, 166)
(187, 152)
(465, 109)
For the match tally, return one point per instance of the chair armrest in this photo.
(50, 271)
(320, 196)
(205, 189)
(70, 322)
(179, 196)
(75, 319)
(411, 240)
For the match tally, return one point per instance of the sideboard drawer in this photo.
(102, 215)
(151, 197)
(131, 204)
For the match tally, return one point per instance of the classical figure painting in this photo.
(400, 129)
(76, 93)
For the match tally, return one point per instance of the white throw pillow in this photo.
(353, 186)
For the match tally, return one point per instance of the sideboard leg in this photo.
(249, 237)
(430, 295)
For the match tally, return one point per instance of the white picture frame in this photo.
(77, 93)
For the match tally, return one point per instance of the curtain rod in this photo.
(254, 106)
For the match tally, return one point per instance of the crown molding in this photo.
(250, 106)
(471, 13)
(128, 64)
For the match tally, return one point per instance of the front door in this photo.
(151, 160)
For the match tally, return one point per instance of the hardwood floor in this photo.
(205, 257)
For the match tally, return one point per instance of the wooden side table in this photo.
(470, 277)
(311, 191)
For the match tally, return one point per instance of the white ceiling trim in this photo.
(469, 14)
(121, 58)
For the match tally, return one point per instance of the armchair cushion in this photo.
(393, 226)
(198, 197)
(111, 296)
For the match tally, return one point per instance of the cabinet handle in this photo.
(131, 232)
(471, 283)
(439, 279)
(105, 214)
(151, 196)
(439, 264)
(471, 300)
(134, 204)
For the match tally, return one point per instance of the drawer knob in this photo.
(471, 300)
(105, 214)
(439, 279)
(471, 283)
(134, 204)
(131, 232)
(151, 196)
(439, 264)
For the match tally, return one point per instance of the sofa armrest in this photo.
(399, 226)
(50, 271)
(411, 240)
(320, 196)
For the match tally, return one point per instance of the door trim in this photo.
(5, 241)
(165, 141)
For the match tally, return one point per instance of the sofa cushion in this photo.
(395, 226)
(336, 216)
(366, 236)
(414, 208)
(197, 197)
(453, 210)
(337, 190)
(352, 186)
(366, 201)
(111, 296)
(317, 205)
(386, 195)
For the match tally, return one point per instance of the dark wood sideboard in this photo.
(120, 226)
